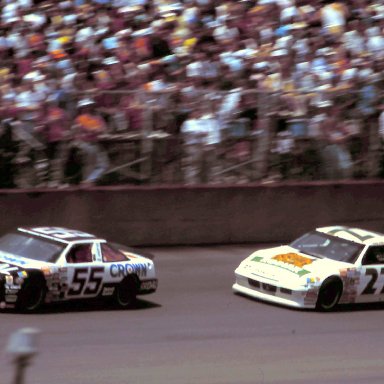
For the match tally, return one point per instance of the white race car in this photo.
(47, 264)
(321, 269)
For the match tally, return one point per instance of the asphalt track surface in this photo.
(195, 330)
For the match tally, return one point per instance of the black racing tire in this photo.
(329, 295)
(126, 292)
(32, 294)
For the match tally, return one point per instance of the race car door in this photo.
(371, 286)
(84, 271)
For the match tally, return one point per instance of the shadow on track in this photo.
(354, 307)
(85, 306)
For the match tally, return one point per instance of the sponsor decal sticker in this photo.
(108, 291)
(150, 284)
(122, 270)
(12, 259)
(294, 259)
(292, 262)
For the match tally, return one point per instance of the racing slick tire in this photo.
(329, 295)
(126, 291)
(32, 294)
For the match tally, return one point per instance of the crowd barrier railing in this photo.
(239, 136)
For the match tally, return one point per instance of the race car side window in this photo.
(111, 255)
(81, 253)
(374, 255)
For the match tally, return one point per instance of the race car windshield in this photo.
(319, 244)
(30, 247)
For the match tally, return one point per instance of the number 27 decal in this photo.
(369, 290)
(86, 281)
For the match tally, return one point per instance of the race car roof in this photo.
(358, 235)
(64, 235)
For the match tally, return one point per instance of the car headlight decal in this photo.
(21, 276)
(311, 281)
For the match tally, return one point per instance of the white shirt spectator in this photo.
(301, 46)
(194, 69)
(349, 74)
(67, 81)
(282, 3)
(18, 42)
(65, 65)
(4, 42)
(354, 42)
(333, 16)
(202, 130)
(203, 2)
(375, 42)
(320, 64)
(284, 143)
(305, 80)
(234, 63)
(230, 104)
(381, 125)
(190, 15)
(246, 52)
(191, 131)
(84, 34)
(25, 4)
(224, 33)
(111, 42)
(288, 13)
(36, 19)
(69, 19)
(29, 99)
(314, 125)
(210, 127)
(128, 3)
(284, 42)
(9, 12)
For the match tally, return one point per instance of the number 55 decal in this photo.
(86, 281)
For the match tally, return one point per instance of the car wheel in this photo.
(126, 291)
(32, 294)
(329, 295)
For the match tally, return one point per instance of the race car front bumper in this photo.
(2, 291)
(258, 288)
(6, 300)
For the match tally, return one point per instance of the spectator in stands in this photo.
(334, 16)
(88, 128)
(8, 152)
(366, 105)
(335, 153)
(29, 102)
(201, 133)
(55, 131)
(283, 150)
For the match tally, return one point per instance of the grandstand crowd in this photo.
(244, 90)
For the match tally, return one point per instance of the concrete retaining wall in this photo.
(198, 215)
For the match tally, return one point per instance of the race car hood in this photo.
(288, 264)
(10, 262)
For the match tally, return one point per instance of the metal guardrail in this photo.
(246, 151)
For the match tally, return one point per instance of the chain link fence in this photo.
(191, 136)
